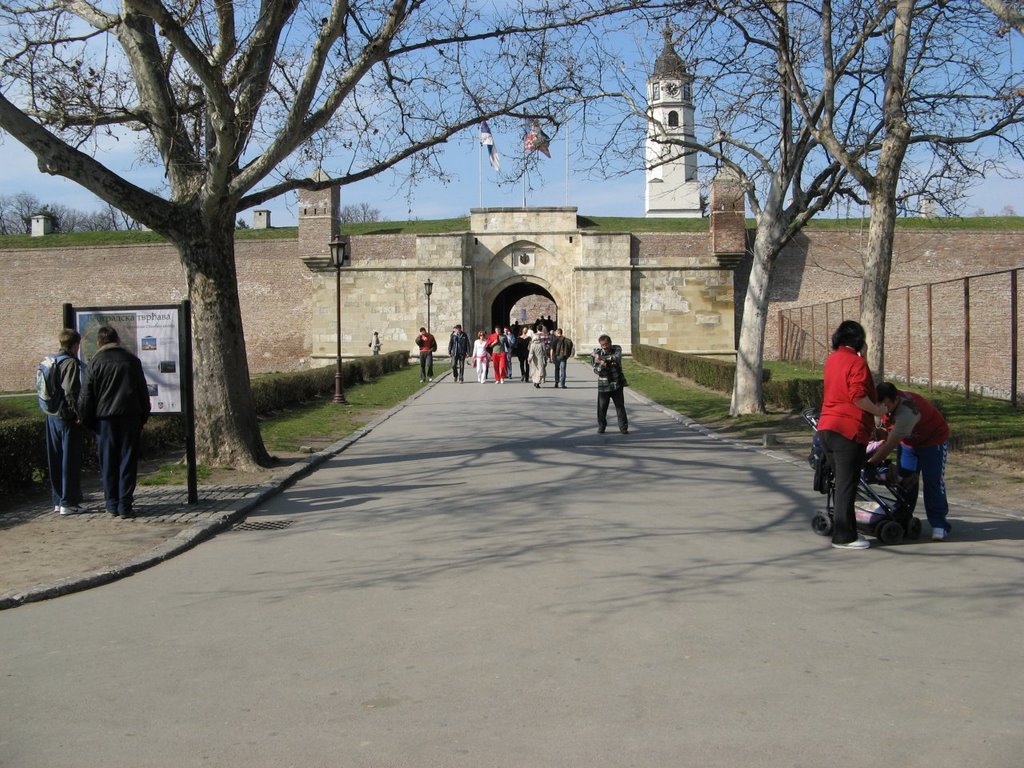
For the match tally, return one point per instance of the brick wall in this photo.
(274, 288)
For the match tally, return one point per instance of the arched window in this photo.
(673, 119)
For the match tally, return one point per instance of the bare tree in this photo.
(743, 56)
(929, 77)
(359, 213)
(240, 103)
(1008, 11)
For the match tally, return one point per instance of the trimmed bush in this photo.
(707, 371)
(23, 439)
(794, 394)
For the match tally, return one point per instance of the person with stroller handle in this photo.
(922, 435)
(847, 424)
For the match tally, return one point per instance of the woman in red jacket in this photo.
(847, 424)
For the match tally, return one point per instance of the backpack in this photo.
(48, 387)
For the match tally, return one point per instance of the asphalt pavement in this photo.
(482, 580)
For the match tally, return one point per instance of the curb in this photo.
(199, 532)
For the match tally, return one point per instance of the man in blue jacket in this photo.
(115, 405)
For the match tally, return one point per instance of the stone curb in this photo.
(198, 532)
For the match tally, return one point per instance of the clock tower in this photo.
(672, 186)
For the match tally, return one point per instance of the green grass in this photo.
(461, 224)
(318, 424)
(173, 474)
(18, 407)
(991, 429)
(978, 223)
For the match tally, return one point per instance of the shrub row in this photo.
(707, 371)
(793, 394)
(22, 440)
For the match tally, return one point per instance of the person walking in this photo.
(480, 357)
(846, 425)
(539, 352)
(427, 346)
(375, 344)
(458, 348)
(561, 351)
(920, 433)
(115, 405)
(610, 383)
(65, 438)
(522, 353)
(496, 347)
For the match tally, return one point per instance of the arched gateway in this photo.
(673, 291)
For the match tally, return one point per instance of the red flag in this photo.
(536, 139)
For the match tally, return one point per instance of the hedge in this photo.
(22, 440)
(793, 394)
(707, 371)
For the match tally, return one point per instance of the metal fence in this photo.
(960, 334)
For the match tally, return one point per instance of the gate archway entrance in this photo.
(520, 294)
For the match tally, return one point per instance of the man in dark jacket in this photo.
(115, 405)
(458, 348)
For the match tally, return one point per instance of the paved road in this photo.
(484, 581)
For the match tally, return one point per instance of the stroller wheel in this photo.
(913, 528)
(890, 532)
(822, 525)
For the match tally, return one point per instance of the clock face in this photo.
(671, 89)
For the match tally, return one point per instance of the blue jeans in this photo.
(64, 446)
(931, 463)
(118, 439)
(560, 365)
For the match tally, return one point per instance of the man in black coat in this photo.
(115, 405)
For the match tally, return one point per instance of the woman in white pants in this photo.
(480, 357)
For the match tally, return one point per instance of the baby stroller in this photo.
(886, 497)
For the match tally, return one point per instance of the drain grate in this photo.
(263, 525)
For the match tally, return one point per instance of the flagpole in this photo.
(566, 162)
(480, 169)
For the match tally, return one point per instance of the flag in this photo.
(487, 140)
(536, 139)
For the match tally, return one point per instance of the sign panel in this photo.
(152, 334)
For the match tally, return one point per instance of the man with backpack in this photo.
(115, 405)
(58, 384)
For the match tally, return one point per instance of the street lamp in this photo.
(338, 247)
(429, 288)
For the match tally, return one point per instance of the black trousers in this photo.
(847, 459)
(615, 396)
(458, 367)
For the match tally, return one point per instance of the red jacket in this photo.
(426, 342)
(931, 429)
(847, 379)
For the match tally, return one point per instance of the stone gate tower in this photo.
(672, 186)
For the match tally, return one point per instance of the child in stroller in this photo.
(886, 495)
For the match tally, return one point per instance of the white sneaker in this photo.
(939, 534)
(72, 510)
(860, 543)
(56, 508)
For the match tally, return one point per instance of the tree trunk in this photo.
(227, 432)
(877, 268)
(748, 387)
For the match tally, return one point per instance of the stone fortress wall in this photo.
(670, 290)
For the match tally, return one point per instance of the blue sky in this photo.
(622, 196)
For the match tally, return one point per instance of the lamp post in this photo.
(338, 247)
(428, 287)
